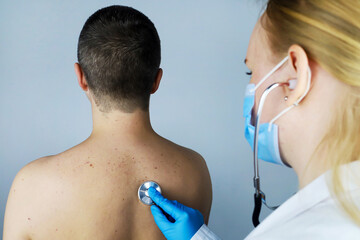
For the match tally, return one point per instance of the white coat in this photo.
(312, 213)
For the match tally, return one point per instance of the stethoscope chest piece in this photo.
(143, 192)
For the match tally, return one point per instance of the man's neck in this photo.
(117, 124)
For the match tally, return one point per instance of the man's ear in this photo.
(81, 77)
(157, 81)
(299, 63)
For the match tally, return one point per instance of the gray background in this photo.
(198, 105)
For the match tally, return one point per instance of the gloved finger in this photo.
(178, 205)
(165, 204)
(159, 217)
(170, 218)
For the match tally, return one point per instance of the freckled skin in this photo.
(90, 191)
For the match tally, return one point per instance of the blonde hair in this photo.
(329, 32)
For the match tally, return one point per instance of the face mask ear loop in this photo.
(279, 115)
(271, 72)
(295, 104)
(307, 88)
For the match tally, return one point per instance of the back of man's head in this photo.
(119, 53)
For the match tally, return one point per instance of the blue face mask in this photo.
(268, 138)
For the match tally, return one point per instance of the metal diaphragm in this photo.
(143, 192)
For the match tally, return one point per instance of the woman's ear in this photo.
(157, 81)
(299, 64)
(81, 77)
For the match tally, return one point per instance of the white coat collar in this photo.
(312, 194)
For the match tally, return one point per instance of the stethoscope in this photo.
(259, 196)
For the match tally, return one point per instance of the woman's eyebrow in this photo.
(245, 61)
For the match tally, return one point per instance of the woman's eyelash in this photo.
(249, 73)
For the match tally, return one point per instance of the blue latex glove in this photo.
(185, 223)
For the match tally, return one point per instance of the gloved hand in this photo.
(187, 221)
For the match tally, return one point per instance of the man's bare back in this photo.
(90, 191)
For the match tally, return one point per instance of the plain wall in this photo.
(198, 105)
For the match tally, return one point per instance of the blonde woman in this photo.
(308, 52)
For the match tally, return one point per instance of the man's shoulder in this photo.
(192, 154)
(37, 177)
(32, 170)
(186, 153)
(193, 163)
(30, 179)
(192, 179)
(46, 166)
(24, 198)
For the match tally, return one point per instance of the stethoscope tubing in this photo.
(259, 196)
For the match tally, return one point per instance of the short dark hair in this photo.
(119, 53)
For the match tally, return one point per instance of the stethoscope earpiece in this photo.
(292, 83)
